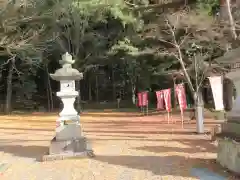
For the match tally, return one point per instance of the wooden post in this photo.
(168, 117)
(174, 92)
(147, 109)
(182, 117)
(97, 96)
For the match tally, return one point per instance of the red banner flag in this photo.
(180, 90)
(139, 99)
(167, 99)
(144, 98)
(159, 95)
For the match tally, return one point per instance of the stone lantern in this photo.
(69, 140)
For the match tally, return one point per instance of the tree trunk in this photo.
(48, 98)
(8, 105)
(174, 93)
(89, 91)
(199, 111)
(231, 20)
(49, 91)
(79, 96)
(97, 95)
(133, 93)
(113, 85)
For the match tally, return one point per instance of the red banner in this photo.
(180, 91)
(159, 95)
(144, 98)
(139, 99)
(167, 99)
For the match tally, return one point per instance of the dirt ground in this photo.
(127, 147)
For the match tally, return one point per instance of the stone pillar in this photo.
(228, 139)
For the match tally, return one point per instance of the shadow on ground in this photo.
(139, 122)
(166, 165)
(27, 129)
(192, 132)
(25, 151)
(193, 146)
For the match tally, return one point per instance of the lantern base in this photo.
(65, 149)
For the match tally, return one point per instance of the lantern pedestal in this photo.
(69, 140)
(68, 148)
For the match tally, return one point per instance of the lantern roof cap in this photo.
(66, 72)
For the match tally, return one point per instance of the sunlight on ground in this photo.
(127, 146)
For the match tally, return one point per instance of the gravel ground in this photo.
(127, 147)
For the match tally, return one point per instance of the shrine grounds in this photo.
(127, 147)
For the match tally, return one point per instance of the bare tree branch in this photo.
(231, 20)
(180, 57)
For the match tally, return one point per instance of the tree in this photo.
(22, 33)
(87, 38)
(191, 37)
(128, 41)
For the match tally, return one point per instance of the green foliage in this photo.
(21, 28)
(126, 46)
(99, 9)
(123, 44)
(211, 7)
